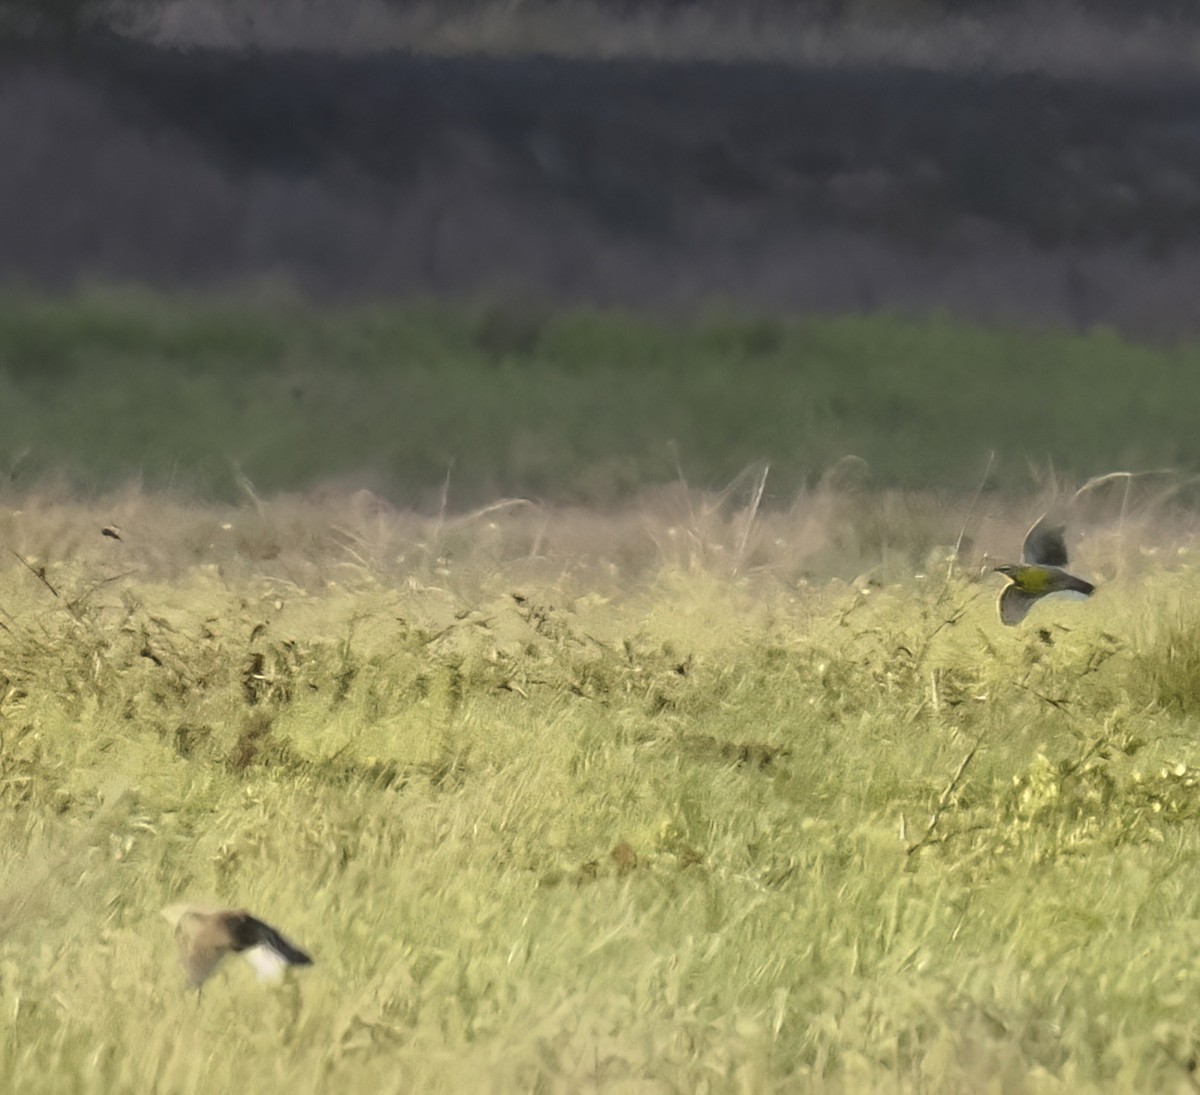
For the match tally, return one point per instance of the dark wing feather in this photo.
(248, 931)
(1014, 604)
(1044, 544)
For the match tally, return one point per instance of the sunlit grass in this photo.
(565, 804)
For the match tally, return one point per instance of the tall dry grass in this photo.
(569, 800)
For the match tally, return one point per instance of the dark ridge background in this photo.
(663, 185)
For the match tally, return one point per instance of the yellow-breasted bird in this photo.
(205, 935)
(1040, 571)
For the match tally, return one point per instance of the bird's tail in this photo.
(289, 952)
(1078, 585)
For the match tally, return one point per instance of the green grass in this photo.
(568, 804)
(590, 407)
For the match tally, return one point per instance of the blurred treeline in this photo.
(51, 18)
(1027, 196)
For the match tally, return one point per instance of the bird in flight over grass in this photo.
(1041, 571)
(206, 935)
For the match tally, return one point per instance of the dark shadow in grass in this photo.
(752, 754)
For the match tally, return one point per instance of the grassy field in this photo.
(510, 399)
(733, 790)
(566, 802)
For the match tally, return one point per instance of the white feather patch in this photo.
(267, 963)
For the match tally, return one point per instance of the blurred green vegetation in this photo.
(567, 406)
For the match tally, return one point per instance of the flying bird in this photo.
(1041, 571)
(205, 935)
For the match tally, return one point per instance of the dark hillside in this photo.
(612, 181)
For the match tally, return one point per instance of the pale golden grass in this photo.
(704, 794)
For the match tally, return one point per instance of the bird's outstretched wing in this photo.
(202, 943)
(1014, 604)
(200, 956)
(1044, 544)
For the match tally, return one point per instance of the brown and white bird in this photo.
(205, 935)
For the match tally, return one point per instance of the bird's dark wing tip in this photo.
(248, 931)
(282, 946)
(1045, 544)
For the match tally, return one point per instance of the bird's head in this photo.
(1009, 570)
